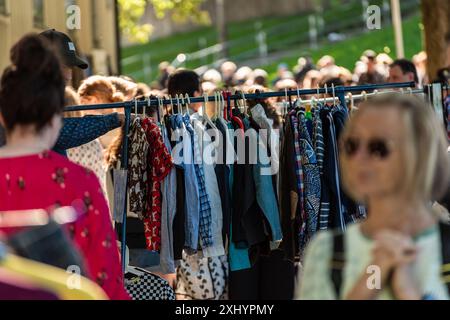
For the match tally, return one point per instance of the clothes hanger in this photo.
(206, 117)
(364, 94)
(244, 101)
(352, 101)
(136, 107)
(334, 95)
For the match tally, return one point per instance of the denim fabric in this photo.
(192, 194)
(331, 197)
(312, 191)
(265, 194)
(78, 131)
(49, 244)
(168, 210)
(239, 258)
(205, 221)
(212, 188)
(350, 210)
(223, 180)
(120, 191)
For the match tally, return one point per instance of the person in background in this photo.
(420, 61)
(312, 79)
(213, 76)
(260, 77)
(383, 62)
(403, 70)
(96, 90)
(32, 122)
(281, 70)
(371, 75)
(304, 65)
(126, 86)
(228, 69)
(71, 98)
(184, 82)
(143, 90)
(165, 70)
(394, 160)
(77, 131)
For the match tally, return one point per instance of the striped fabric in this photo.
(319, 148)
(298, 169)
(205, 223)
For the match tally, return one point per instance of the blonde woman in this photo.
(393, 159)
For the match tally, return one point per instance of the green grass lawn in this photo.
(282, 33)
(349, 51)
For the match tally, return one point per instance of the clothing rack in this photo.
(339, 92)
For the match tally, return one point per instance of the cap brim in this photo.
(80, 63)
(75, 61)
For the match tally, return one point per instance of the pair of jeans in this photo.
(183, 151)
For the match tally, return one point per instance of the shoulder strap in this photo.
(337, 262)
(444, 229)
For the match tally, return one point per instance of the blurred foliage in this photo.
(181, 11)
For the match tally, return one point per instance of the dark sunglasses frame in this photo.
(377, 148)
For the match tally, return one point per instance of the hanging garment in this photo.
(143, 286)
(137, 169)
(331, 199)
(66, 184)
(188, 195)
(160, 163)
(312, 190)
(265, 194)
(223, 171)
(319, 148)
(90, 155)
(168, 211)
(289, 189)
(208, 160)
(202, 278)
(270, 278)
(205, 221)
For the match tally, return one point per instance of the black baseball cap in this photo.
(66, 48)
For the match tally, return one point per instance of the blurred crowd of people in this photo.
(371, 68)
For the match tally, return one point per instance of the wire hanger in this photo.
(364, 94)
(334, 95)
(244, 101)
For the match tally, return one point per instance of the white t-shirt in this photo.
(315, 281)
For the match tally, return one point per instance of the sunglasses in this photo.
(377, 148)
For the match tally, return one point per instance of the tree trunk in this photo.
(436, 19)
(222, 26)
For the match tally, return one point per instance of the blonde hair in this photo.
(426, 169)
(71, 98)
(100, 86)
(128, 88)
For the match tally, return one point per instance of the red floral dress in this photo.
(47, 180)
(159, 165)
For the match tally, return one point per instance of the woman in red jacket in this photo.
(33, 177)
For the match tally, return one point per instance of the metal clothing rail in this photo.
(130, 105)
(154, 102)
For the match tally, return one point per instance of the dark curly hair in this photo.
(32, 87)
